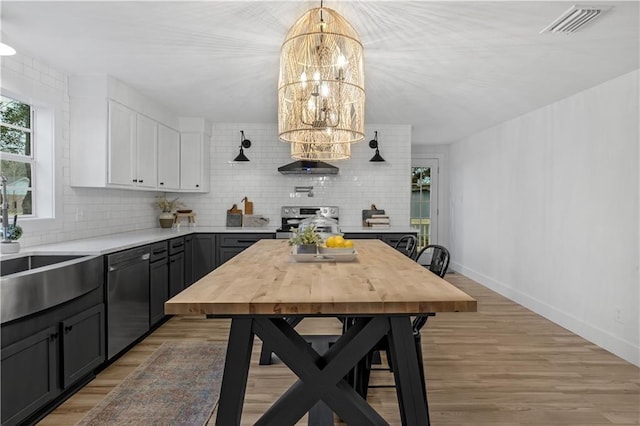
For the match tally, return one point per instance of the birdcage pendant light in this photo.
(321, 87)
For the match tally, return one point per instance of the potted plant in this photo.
(305, 240)
(10, 242)
(168, 207)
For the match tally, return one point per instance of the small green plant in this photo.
(308, 235)
(14, 232)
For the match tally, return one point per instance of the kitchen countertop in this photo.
(106, 244)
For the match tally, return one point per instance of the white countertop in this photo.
(106, 244)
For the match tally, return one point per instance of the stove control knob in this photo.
(286, 211)
(333, 211)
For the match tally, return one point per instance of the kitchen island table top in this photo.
(266, 280)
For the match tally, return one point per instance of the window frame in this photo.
(30, 159)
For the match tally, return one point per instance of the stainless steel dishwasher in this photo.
(127, 298)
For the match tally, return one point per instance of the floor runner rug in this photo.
(178, 385)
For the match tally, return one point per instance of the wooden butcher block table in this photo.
(379, 291)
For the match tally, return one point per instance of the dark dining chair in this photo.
(438, 264)
(438, 259)
(407, 244)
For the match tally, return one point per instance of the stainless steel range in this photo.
(291, 217)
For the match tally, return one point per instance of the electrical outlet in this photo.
(618, 314)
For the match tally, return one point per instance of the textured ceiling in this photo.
(447, 68)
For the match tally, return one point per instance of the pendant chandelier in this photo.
(321, 87)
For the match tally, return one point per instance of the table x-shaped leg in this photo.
(321, 377)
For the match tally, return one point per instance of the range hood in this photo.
(308, 167)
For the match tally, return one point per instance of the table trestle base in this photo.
(322, 377)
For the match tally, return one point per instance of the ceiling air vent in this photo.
(573, 19)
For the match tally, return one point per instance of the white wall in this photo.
(87, 212)
(544, 209)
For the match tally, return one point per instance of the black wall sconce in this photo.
(373, 144)
(244, 143)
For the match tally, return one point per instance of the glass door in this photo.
(424, 208)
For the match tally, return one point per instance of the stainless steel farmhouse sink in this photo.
(32, 283)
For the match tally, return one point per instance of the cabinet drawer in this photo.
(159, 251)
(242, 240)
(176, 245)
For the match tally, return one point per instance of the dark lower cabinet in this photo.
(29, 375)
(229, 245)
(158, 289)
(390, 238)
(176, 274)
(188, 260)
(361, 236)
(203, 255)
(42, 365)
(83, 344)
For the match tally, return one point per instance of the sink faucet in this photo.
(5, 211)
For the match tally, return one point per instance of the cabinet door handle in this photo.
(68, 328)
(54, 336)
(135, 180)
(161, 183)
(197, 186)
(140, 181)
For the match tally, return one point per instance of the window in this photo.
(17, 154)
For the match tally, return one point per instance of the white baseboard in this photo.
(619, 347)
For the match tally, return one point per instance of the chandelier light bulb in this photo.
(303, 79)
(324, 90)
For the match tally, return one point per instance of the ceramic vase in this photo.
(10, 247)
(166, 219)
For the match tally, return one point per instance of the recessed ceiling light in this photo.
(573, 19)
(6, 50)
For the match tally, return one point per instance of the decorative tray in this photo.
(323, 257)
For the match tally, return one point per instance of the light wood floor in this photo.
(503, 365)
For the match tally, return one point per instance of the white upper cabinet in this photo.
(119, 139)
(122, 142)
(146, 170)
(194, 165)
(133, 140)
(168, 158)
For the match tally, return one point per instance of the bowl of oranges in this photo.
(336, 244)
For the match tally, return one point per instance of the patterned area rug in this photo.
(178, 385)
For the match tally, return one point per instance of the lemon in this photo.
(331, 241)
(348, 243)
(339, 239)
